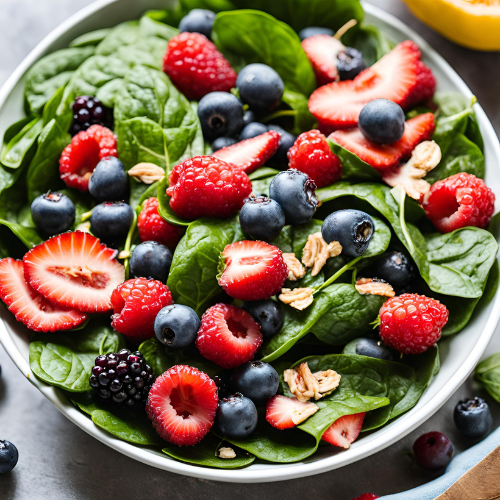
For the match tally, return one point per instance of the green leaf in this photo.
(262, 173)
(20, 146)
(152, 27)
(303, 119)
(370, 41)
(164, 208)
(353, 167)
(90, 38)
(488, 374)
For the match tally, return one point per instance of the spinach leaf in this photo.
(370, 41)
(164, 208)
(262, 173)
(28, 235)
(15, 128)
(152, 27)
(90, 38)
(302, 118)
(19, 147)
(488, 374)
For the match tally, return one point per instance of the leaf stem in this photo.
(337, 275)
(278, 114)
(401, 196)
(128, 244)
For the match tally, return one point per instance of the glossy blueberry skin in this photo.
(433, 450)
(353, 229)
(249, 117)
(287, 140)
(262, 218)
(220, 114)
(253, 129)
(260, 87)
(350, 63)
(371, 348)
(109, 180)
(236, 417)
(268, 313)
(295, 193)
(110, 222)
(223, 381)
(176, 326)
(151, 259)
(382, 121)
(53, 213)
(8, 456)
(222, 142)
(256, 380)
(473, 417)
(314, 30)
(198, 21)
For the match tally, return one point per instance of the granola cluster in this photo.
(147, 172)
(374, 286)
(305, 385)
(317, 251)
(298, 298)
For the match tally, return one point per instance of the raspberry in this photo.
(228, 336)
(424, 88)
(87, 111)
(196, 67)
(205, 186)
(136, 303)
(412, 323)
(459, 201)
(152, 226)
(80, 157)
(312, 155)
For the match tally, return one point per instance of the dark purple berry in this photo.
(350, 63)
(433, 450)
(89, 111)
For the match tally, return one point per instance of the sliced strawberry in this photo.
(285, 413)
(344, 430)
(322, 51)
(28, 306)
(384, 156)
(251, 154)
(74, 270)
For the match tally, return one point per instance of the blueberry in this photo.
(8, 456)
(109, 181)
(353, 229)
(222, 142)
(198, 21)
(221, 114)
(268, 313)
(371, 348)
(110, 222)
(256, 380)
(260, 87)
(350, 63)
(295, 193)
(223, 381)
(253, 129)
(249, 117)
(473, 417)
(151, 260)
(433, 450)
(287, 140)
(382, 121)
(262, 218)
(176, 326)
(314, 30)
(236, 417)
(53, 213)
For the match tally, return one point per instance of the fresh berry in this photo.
(80, 157)
(382, 121)
(221, 115)
(312, 155)
(89, 111)
(249, 117)
(425, 87)
(28, 306)
(372, 349)
(459, 201)
(353, 229)
(252, 129)
(110, 222)
(151, 260)
(322, 51)
(222, 142)
(136, 302)
(268, 313)
(260, 87)
(8, 456)
(153, 227)
(74, 270)
(251, 154)
(196, 67)
(314, 30)
(350, 63)
(223, 382)
(344, 431)
(53, 213)
(198, 21)
(205, 186)
(123, 378)
(473, 417)
(287, 140)
(182, 405)
(367, 496)
(285, 413)
(176, 326)
(412, 323)
(433, 450)
(109, 181)
(252, 270)
(262, 218)
(236, 417)
(296, 194)
(384, 156)
(256, 380)
(228, 336)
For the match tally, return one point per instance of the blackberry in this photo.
(123, 378)
(87, 111)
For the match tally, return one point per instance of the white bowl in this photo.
(459, 354)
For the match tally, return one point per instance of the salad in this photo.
(240, 234)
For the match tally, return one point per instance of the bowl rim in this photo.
(378, 440)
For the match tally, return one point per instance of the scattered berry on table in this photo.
(228, 336)
(350, 63)
(221, 115)
(53, 213)
(198, 21)
(412, 323)
(322, 51)
(344, 431)
(249, 117)
(88, 111)
(459, 201)
(256, 380)
(314, 30)
(110, 222)
(123, 378)
(8, 456)
(252, 129)
(367, 496)
(372, 349)
(151, 260)
(262, 218)
(222, 142)
(236, 417)
(382, 121)
(433, 450)
(176, 326)
(473, 417)
(182, 405)
(109, 181)
(268, 313)
(287, 140)
(285, 413)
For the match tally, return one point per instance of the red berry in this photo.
(322, 51)
(228, 336)
(253, 270)
(312, 155)
(344, 430)
(459, 201)
(367, 496)
(285, 413)
(81, 156)
(182, 405)
(412, 323)
(136, 303)
(196, 67)
(424, 88)
(205, 186)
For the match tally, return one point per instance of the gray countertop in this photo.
(61, 462)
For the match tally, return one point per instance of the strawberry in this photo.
(251, 154)
(322, 51)
(344, 430)
(74, 270)
(28, 306)
(285, 413)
